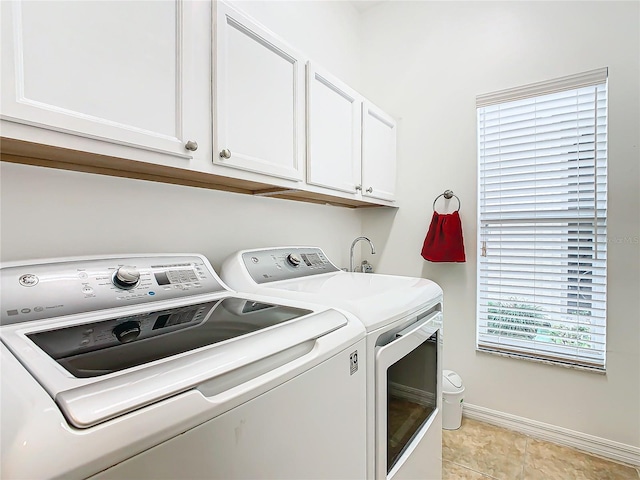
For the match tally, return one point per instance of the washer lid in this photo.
(375, 299)
(108, 346)
(219, 343)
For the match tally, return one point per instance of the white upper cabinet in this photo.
(259, 98)
(185, 91)
(334, 125)
(105, 70)
(378, 153)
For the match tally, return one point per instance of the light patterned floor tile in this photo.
(481, 447)
(480, 451)
(452, 471)
(544, 461)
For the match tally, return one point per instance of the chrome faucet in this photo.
(373, 250)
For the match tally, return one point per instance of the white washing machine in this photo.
(148, 367)
(403, 319)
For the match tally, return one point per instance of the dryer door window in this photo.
(411, 397)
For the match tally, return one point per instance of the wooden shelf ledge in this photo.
(28, 153)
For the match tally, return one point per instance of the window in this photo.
(542, 153)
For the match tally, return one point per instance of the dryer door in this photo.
(406, 392)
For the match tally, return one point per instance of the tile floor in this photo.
(479, 451)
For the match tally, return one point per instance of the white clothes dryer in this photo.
(149, 367)
(403, 319)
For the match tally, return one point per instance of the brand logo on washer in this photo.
(28, 280)
(353, 362)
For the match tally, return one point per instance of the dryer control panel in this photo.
(61, 287)
(286, 263)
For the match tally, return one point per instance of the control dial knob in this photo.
(126, 277)
(127, 331)
(293, 260)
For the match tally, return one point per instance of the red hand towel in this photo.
(444, 242)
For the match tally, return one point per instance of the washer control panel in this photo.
(58, 287)
(285, 263)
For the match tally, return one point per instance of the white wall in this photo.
(425, 62)
(48, 213)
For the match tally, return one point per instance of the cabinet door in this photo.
(259, 99)
(334, 126)
(104, 70)
(378, 153)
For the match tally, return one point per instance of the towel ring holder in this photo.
(448, 194)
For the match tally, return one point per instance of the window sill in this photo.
(556, 363)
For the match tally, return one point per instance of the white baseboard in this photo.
(551, 433)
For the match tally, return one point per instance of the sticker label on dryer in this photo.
(353, 362)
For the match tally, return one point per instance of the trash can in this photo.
(452, 399)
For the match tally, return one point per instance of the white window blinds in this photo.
(542, 152)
